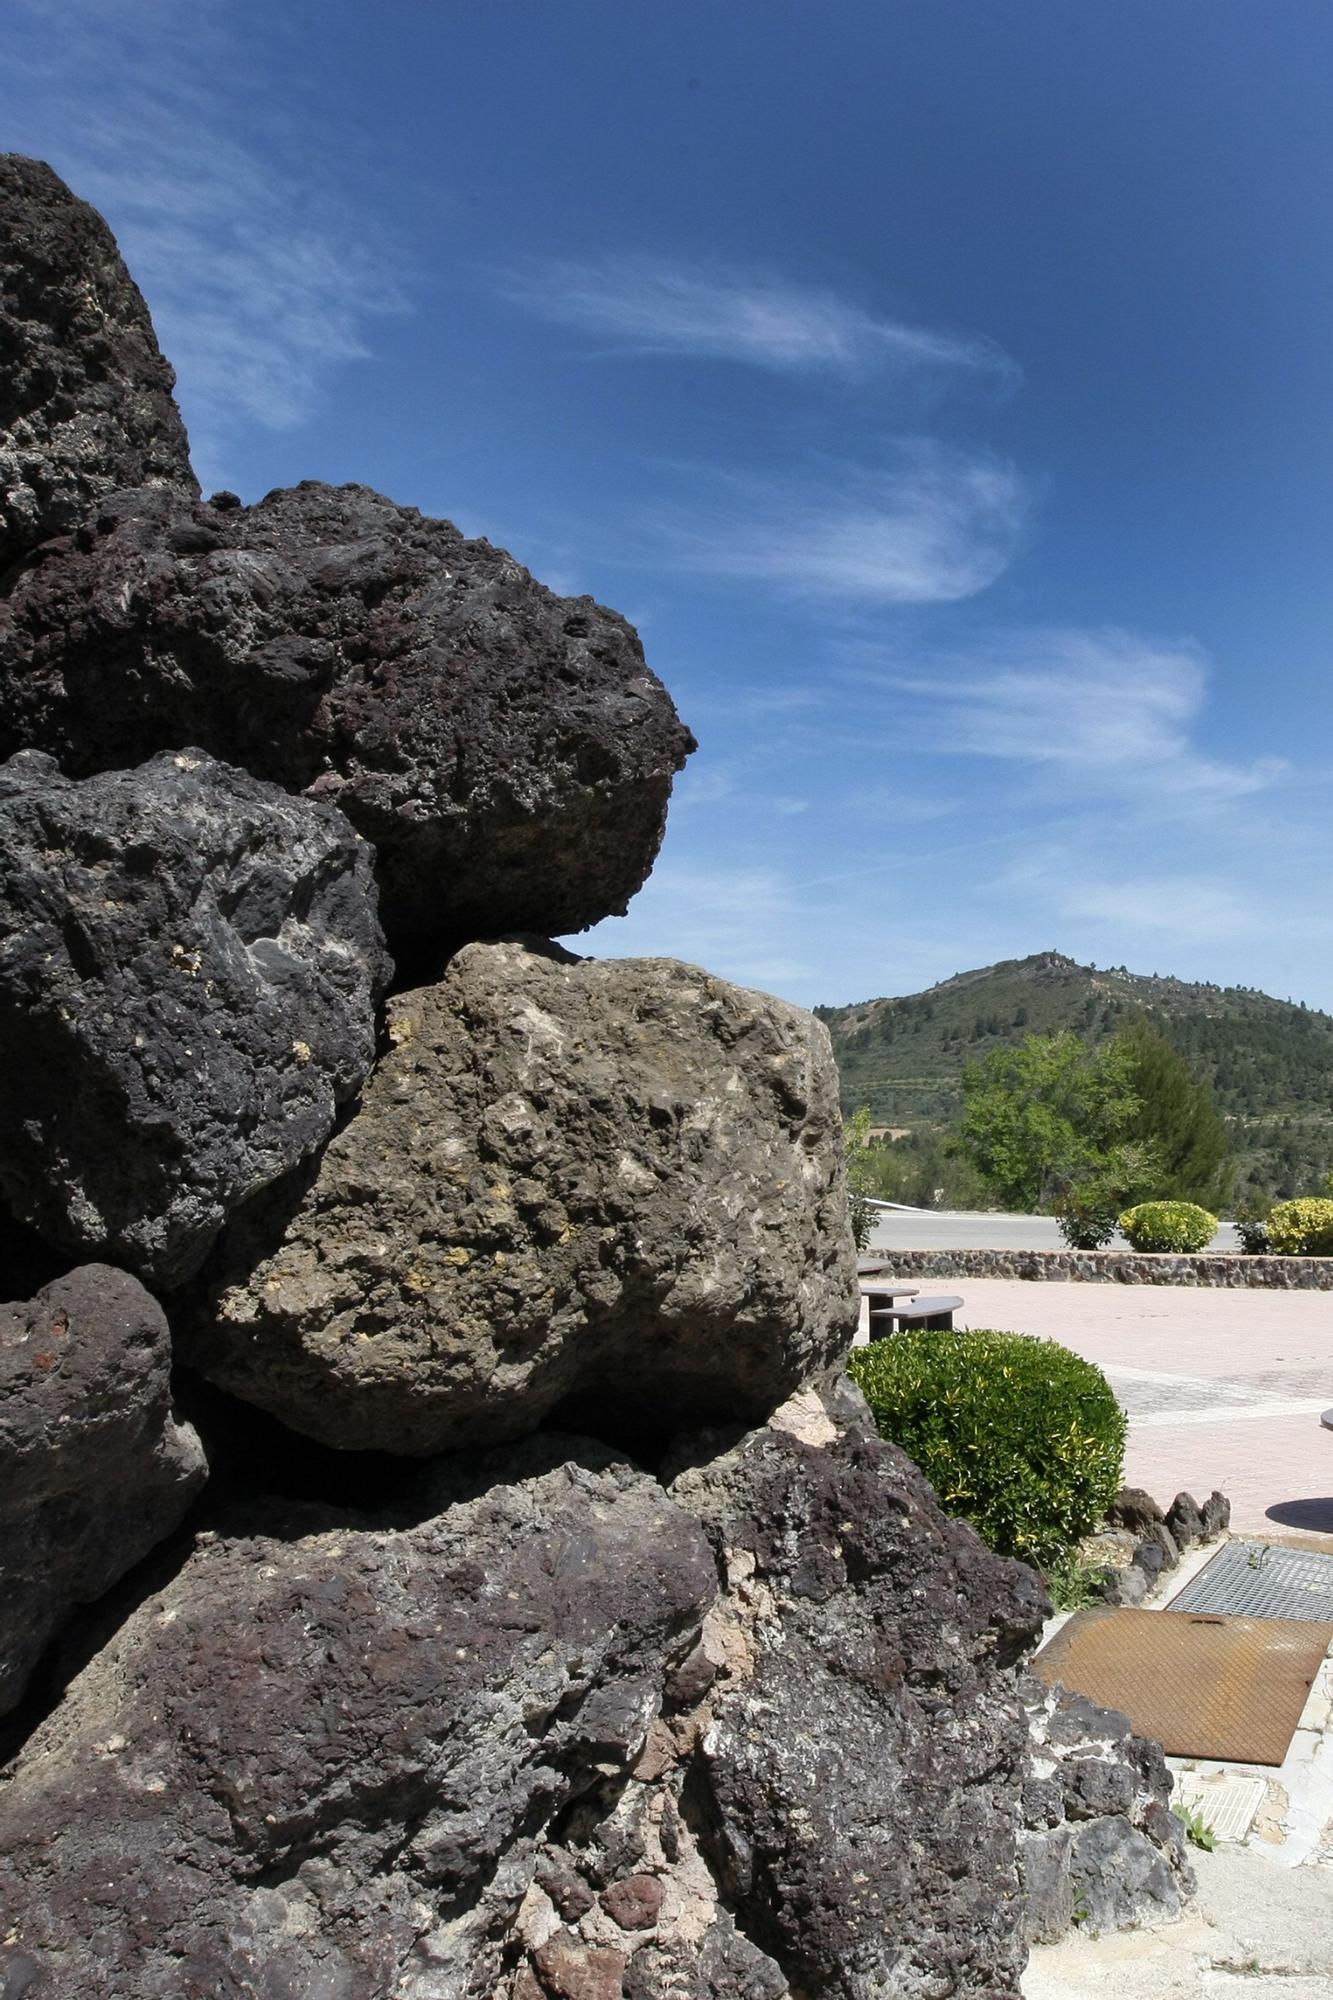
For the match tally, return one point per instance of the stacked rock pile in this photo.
(1142, 1542)
(551, 1621)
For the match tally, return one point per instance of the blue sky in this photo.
(942, 388)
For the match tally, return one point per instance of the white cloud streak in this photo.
(652, 305)
(930, 526)
(261, 280)
(1106, 711)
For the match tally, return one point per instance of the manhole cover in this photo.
(1256, 1580)
(1200, 1685)
(1226, 1805)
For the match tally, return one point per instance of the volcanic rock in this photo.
(320, 1760)
(865, 1745)
(85, 395)
(189, 963)
(93, 1468)
(507, 751)
(610, 1186)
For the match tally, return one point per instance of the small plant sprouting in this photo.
(1197, 1830)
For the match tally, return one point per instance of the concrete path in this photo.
(1222, 1388)
(1254, 1932)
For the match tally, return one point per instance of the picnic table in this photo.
(934, 1315)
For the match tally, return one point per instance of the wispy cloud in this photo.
(1107, 710)
(262, 278)
(930, 525)
(736, 920)
(654, 305)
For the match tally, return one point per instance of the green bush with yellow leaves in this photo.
(1181, 1226)
(1302, 1228)
(1018, 1435)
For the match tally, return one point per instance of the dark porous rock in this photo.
(1093, 1788)
(1100, 1845)
(189, 964)
(611, 1190)
(322, 1759)
(863, 1748)
(85, 395)
(1156, 1534)
(1120, 1877)
(1184, 1519)
(1150, 1558)
(1126, 1587)
(1215, 1515)
(1048, 1892)
(507, 751)
(1134, 1509)
(94, 1470)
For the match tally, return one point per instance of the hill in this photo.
(1269, 1061)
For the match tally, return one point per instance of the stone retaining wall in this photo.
(1118, 1267)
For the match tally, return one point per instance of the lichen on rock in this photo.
(609, 1184)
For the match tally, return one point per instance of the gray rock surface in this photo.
(189, 962)
(94, 1470)
(321, 1760)
(616, 1182)
(864, 1746)
(1100, 1846)
(508, 751)
(85, 395)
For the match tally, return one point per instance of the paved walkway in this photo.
(1222, 1388)
(1253, 1933)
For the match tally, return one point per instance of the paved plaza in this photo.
(1223, 1388)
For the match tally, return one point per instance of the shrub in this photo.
(1252, 1227)
(1086, 1220)
(1302, 1228)
(1019, 1435)
(1169, 1225)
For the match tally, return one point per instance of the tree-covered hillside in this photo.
(1270, 1061)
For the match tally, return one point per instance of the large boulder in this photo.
(189, 965)
(611, 1188)
(864, 1745)
(85, 395)
(1100, 1845)
(545, 1731)
(507, 751)
(94, 1469)
(321, 1759)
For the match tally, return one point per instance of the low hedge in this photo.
(1181, 1226)
(1019, 1435)
(1301, 1228)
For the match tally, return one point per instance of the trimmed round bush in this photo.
(1301, 1228)
(1169, 1225)
(1018, 1435)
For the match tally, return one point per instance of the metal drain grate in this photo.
(1256, 1580)
(1225, 1804)
(1202, 1686)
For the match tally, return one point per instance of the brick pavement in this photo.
(1222, 1389)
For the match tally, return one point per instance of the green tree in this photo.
(1050, 1119)
(860, 1174)
(1178, 1118)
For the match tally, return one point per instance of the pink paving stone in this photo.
(1277, 1471)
